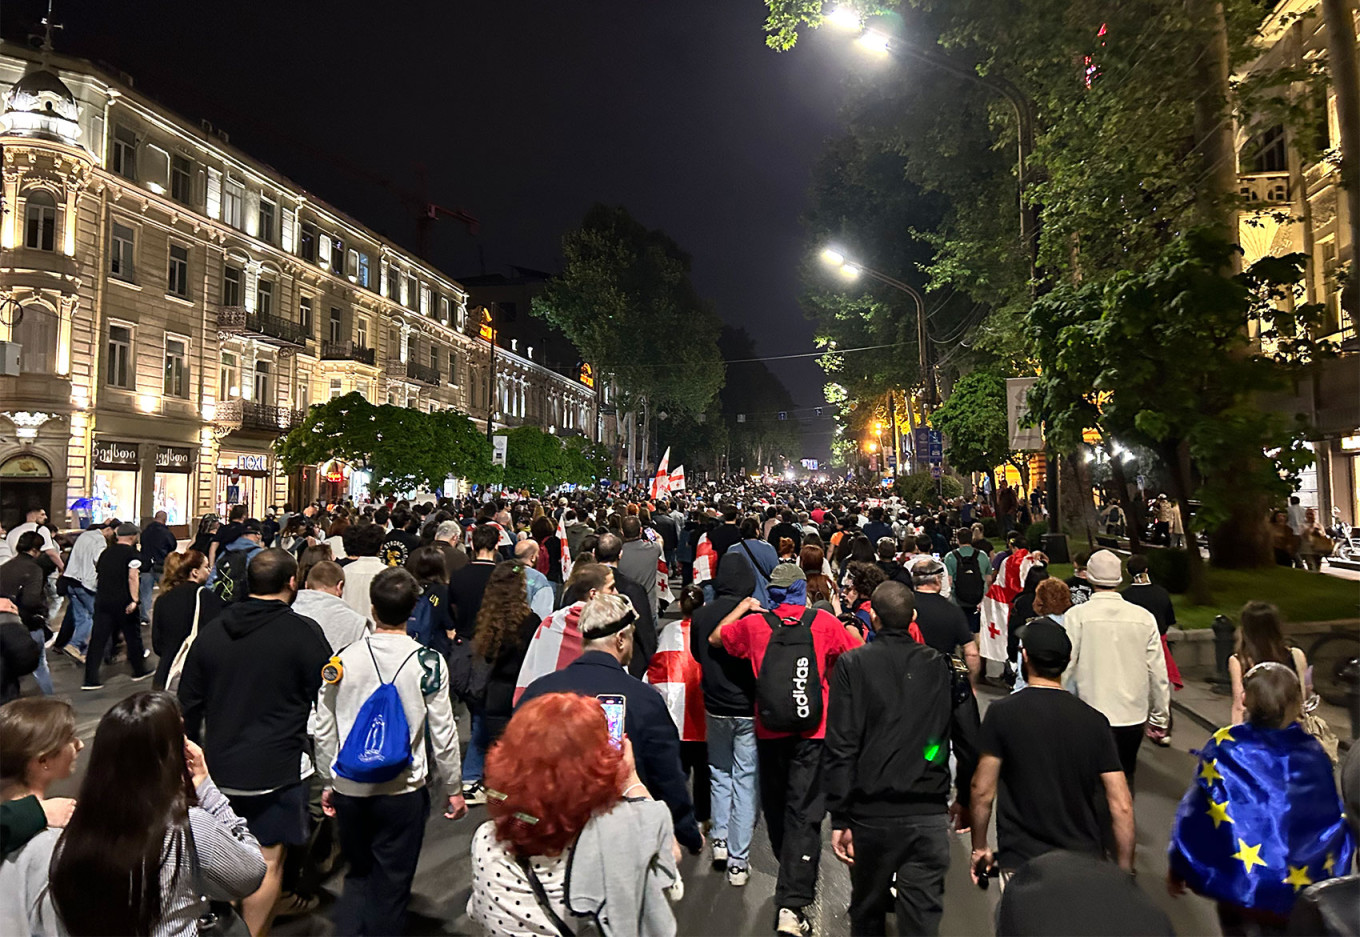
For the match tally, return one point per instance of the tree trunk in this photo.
(1213, 122)
(1338, 17)
(1177, 458)
(646, 436)
(1131, 523)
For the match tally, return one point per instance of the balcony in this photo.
(273, 330)
(256, 417)
(346, 351)
(1266, 191)
(411, 371)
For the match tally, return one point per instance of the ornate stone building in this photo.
(176, 306)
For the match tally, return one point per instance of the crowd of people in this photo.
(642, 678)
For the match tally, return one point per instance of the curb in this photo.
(1208, 725)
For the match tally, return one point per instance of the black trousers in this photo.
(107, 622)
(381, 838)
(908, 853)
(793, 805)
(694, 762)
(1127, 740)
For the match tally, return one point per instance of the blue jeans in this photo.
(474, 759)
(42, 674)
(709, 595)
(732, 773)
(82, 608)
(146, 587)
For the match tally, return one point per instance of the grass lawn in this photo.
(1301, 596)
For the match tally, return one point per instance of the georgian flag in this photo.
(505, 539)
(677, 479)
(661, 483)
(555, 644)
(663, 581)
(567, 562)
(674, 671)
(996, 604)
(705, 560)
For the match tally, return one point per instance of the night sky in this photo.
(524, 114)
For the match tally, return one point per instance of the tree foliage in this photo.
(973, 421)
(540, 461)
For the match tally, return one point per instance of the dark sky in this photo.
(523, 113)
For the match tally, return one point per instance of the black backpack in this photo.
(789, 686)
(968, 581)
(230, 582)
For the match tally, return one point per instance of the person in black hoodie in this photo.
(729, 687)
(252, 676)
(891, 723)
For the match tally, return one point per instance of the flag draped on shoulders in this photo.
(1262, 820)
(674, 671)
(996, 604)
(555, 644)
(567, 562)
(705, 560)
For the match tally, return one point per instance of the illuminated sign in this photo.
(486, 329)
(587, 374)
(1350, 443)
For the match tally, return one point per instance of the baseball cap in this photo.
(1103, 569)
(251, 526)
(1046, 642)
(128, 529)
(786, 574)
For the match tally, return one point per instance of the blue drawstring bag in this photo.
(378, 747)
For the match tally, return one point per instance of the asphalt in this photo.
(710, 906)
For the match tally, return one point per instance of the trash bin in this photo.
(1055, 545)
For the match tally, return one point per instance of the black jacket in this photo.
(172, 619)
(19, 655)
(890, 725)
(500, 682)
(656, 744)
(728, 682)
(644, 635)
(22, 581)
(158, 543)
(252, 677)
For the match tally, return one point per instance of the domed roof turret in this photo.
(40, 105)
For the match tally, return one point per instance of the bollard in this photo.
(1225, 641)
(1349, 677)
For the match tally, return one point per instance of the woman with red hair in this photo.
(573, 832)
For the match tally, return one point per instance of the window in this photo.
(336, 333)
(305, 314)
(229, 376)
(307, 243)
(362, 386)
(393, 284)
(453, 367)
(337, 255)
(120, 257)
(36, 336)
(264, 298)
(444, 309)
(177, 281)
(181, 179)
(1266, 151)
(268, 211)
(231, 285)
(412, 299)
(302, 399)
(363, 270)
(40, 221)
(118, 363)
(233, 197)
(262, 386)
(335, 387)
(362, 332)
(434, 359)
(425, 300)
(124, 159)
(176, 382)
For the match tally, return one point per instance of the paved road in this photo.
(710, 906)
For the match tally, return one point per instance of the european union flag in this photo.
(1262, 820)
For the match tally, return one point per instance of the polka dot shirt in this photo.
(502, 899)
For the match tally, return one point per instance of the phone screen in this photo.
(614, 710)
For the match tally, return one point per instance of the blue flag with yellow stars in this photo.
(1262, 820)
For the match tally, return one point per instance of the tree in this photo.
(973, 420)
(540, 461)
(755, 394)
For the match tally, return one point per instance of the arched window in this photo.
(40, 221)
(36, 336)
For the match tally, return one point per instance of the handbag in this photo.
(220, 919)
(469, 673)
(177, 665)
(1312, 723)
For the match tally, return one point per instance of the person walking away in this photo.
(1117, 664)
(19, 653)
(1262, 819)
(321, 600)
(36, 522)
(943, 624)
(679, 676)
(432, 621)
(157, 543)
(226, 533)
(890, 729)
(607, 624)
(248, 686)
(967, 568)
(24, 583)
(182, 604)
(362, 547)
(791, 705)
(542, 594)
(1147, 594)
(126, 865)
(1046, 758)
(762, 557)
(448, 538)
(229, 574)
(609, 550)
(401, 539)
(601, 850)
(505, 626)
(1077, 583)
(638, 561)
(381, 804)
(38, 746)
(118, 578)
(81, 584)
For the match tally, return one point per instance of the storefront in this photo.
(244, 478)
(25, 483)
(114, 482)
(340, 481)
(172, 483)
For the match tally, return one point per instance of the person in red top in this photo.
(790, 763)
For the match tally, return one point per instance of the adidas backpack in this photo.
(789, 686)
(378, 747)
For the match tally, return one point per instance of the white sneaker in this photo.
(719, 853)
(792, 923)
(737, 876)
(474, 794)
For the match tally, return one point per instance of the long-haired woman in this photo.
(505, 624)
(123, 864)
(544, 533)
(181, 596)
(1260, 638)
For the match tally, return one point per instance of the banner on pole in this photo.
(1023, 438)
(498, 444)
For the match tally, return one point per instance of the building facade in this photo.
(1290, 177)
(177, 306)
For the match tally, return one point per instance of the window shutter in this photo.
(323, 250)
(251, 277)
(286, 230)
(156, 167)
(252, 213)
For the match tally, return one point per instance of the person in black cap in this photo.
(1050, 752)
(118, 573)
(1065, 892)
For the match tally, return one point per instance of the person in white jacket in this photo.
(321, 601)
(382, 825)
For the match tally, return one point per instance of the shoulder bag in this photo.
(1313, 723)
(541, 896)
(220, 919)
(177, 665)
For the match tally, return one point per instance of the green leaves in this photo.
(973, 421)
(540, 461)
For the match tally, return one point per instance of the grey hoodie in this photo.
(341, 624)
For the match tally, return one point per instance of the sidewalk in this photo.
(1198, 702)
